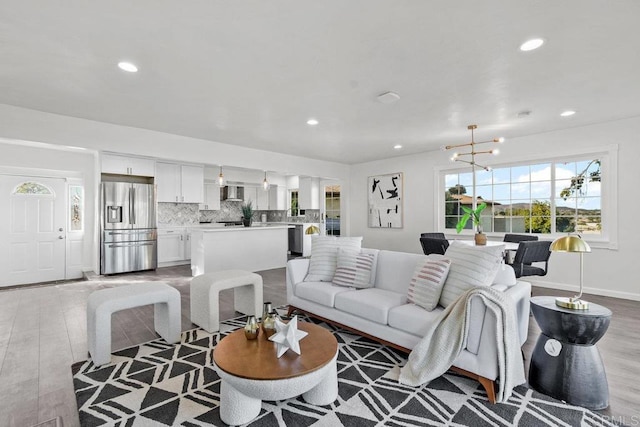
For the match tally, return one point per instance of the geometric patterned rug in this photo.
(157, 383)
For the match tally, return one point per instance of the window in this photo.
(32, 188)
(295, 211)
(556, 196)
(332, 209)
(76, 208)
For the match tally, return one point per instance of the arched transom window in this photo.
(31, 187)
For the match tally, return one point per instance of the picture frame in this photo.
(385, 200)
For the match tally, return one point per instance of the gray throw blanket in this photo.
(444, 341)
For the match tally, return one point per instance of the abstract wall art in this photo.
(385, 201)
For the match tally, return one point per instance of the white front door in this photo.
(32, 229)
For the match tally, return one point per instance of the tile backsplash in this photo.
(186, 214)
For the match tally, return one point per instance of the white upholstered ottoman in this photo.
(102, 303)
(205, 289)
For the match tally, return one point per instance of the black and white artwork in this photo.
(385, 201)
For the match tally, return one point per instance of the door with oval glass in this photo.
(32, 229)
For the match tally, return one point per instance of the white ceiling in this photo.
(251, 73)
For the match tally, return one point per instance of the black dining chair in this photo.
(517, 238)
(434, 246)
(529, 252)
(433, 235)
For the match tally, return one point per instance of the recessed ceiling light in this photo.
(388, 97)
(128, 67)
(531, 44)
(567, 113)
(397, 146)
(312, 122)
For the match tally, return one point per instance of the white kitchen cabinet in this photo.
(126, 165)
(262, 199)
(171, 245)
(187, 244)
(250, 194)
(211, 197)
(277, 198)
(192, 183)
(309, 193)
(174, 245)
(179, 183)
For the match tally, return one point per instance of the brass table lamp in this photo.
(312, 229)
(572, 243)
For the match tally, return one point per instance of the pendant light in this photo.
(221, 177)
(265, 183)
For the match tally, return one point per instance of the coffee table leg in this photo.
(326, 391)
(237, 408)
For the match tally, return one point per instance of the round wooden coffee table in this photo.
(251, 372)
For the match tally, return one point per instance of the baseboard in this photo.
(592, 291)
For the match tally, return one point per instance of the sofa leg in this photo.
(489, 385)
(291, 310)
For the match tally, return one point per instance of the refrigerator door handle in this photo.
(128, 245)
(132, 205)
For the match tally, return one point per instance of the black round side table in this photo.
(565, 363)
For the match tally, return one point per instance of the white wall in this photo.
(34, 126)
(607, 271)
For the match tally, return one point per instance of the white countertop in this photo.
(254, 227)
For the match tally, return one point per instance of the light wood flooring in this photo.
(43, 332)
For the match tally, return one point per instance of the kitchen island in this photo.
(255, 248)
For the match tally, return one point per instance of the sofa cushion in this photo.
(427, 281)
(320, 292)
(471, 266)
(395, 270)
(412, 319)
(374, 267)
(353, 269)
(371, 304)
(324, 254)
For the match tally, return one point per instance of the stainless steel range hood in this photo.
(233, 193)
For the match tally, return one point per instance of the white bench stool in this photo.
(102, 303)
(205, 289)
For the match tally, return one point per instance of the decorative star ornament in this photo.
(287, 336)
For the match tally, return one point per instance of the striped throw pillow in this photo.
(324, 256)
(353, 269)
(427, 282)
(471, 266)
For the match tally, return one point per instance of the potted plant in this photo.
(474, 214)
(247, 213)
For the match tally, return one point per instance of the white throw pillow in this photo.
(324, 255)
(353, 269)
(471, 266)
(427, 282)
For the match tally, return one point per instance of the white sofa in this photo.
(382, 312)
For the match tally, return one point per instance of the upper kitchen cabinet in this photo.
(262, 199)
(277, 197)
(125, 165)
(309, 192)
(180, 183)
(250, 195)
(211, 197)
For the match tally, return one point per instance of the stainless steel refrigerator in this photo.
(128, 240)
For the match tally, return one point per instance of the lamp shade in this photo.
(312, 229)
(570, 243)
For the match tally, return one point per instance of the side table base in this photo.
(576, 375)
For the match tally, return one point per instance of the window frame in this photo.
(608, 155)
